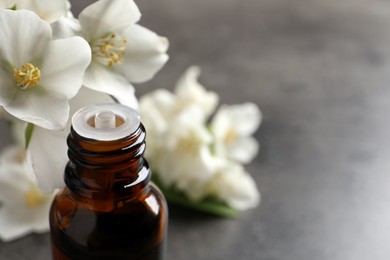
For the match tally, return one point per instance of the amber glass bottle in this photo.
(109, 209)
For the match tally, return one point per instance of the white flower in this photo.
(38, 75)
(159, 107)
(183, 158)
(47, 152)
(190, 92)
(48, 10)
(24, 209)
(123, 52)
(234, 186)
(180, 146)
(232, 127)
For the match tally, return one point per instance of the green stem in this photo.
(28, 134)
(209, 205)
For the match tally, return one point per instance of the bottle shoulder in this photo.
(148, 199)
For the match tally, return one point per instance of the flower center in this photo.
(27, 77)
(230, 136)
(33, 197)
(109, 50)
(189, 144)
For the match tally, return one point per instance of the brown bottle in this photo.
(108, 209)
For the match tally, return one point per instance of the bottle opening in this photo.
(105, 121)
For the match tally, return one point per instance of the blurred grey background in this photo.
(320, 72)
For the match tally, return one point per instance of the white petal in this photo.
(14, 154)
(194, 179)
(43, 108)
(8, 229)
(234, 186)
(7, 84)
(154, 124)
(145, 54)
(129, 100)
(190, 91)
(24, 37)
(102, 79)
(221, 124)
(65, 63)
(47, 153)
(107, 16)
(246, 117)
(191, 117)
(47, 10)
(18, 220)
(66, 27)
(187, 125)
(13, 180)
(155, 110)
(69, 7)
(161, 101)
(243, 150)
(87, 97)
(187, 173)
(246, 196)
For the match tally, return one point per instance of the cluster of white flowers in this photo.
(24, 208)
(52, 64)
(201, 159)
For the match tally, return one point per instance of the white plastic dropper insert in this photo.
(105, 122)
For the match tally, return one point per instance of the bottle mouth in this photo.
(106, 122)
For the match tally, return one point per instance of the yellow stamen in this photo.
(109, 50)
(27, 77)
(33, 197)
(230, 136)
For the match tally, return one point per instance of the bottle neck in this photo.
(107, 169)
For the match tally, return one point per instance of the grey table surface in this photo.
(320, 71)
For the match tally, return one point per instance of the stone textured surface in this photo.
(320, 71)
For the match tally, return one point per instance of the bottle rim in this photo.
(128, 117)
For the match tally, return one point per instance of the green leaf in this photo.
(28, 134)
(13, 7)
(209, 205)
